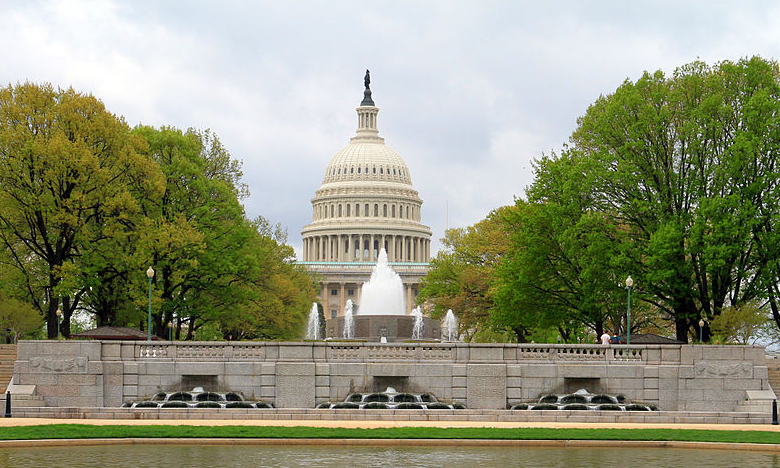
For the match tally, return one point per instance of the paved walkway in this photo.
(12, 422)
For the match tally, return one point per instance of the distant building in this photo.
(366, 202)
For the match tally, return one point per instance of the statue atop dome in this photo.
(367, 101)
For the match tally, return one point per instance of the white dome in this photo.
(360, 161)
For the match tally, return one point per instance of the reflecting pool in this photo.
(217, 456)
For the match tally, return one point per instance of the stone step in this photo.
(24, 401)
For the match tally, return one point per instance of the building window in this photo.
(358, 170)
(384, 211)
(350, 292)
(365, 212)
(376, 210)
(331, 211)
(357, 209)
(392, 210)
(334, 292)
(348, 208)
(332, 313)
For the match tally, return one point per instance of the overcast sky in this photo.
(469, 92)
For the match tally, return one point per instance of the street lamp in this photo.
(701, 330)
(150, 275)
(170, 331)
(59, 314)
(629, 284)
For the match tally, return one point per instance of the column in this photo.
(324, 297)
(342, 302)
(360, 245)
(408, 298)
(391, 248)
(351, 249)
(371, 253)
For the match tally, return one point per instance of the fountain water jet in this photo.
(313, 327)
(383, 293)
(417, 329)
(450, 327)
(349, 322)
(381, 315)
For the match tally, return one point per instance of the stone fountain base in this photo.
(394, 328)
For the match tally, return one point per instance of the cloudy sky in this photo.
(469, 92)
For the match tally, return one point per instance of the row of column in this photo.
(365, 248)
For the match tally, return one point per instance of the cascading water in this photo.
(450, 327)
(349, 322)
(383, 294)
(390, 399)
(417, 329)
(313, 328)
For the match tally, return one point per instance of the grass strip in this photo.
(79, 431)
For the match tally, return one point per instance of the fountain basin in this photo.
(394, 328)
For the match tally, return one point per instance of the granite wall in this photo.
(302, 374)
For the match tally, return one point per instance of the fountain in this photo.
(313, 327)
(197, 398)
(382, 316)
(383, 293)
(390, 399)
(584, 400)
(450, 328)
(349, 322)
(417, 329)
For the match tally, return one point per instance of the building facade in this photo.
(366, 202)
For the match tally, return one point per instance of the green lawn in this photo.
(79, 431)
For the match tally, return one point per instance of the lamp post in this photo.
(629, 284)
(701, 330)
(150, 275)
(170, 331)
(59, 314)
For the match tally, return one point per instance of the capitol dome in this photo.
(366, 202)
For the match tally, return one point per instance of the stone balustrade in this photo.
(303, 374)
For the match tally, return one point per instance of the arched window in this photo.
(340, 210)
(392, 211)
(407, 212)
(348, 208)
(331, 211)
(384, 211)
(376, 210)
(374, 168)
(381, 170)
(351, 170)
(357, 209)
(365, 211)
(358, 170)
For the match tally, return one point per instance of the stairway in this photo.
(7, 359)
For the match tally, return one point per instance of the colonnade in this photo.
(366, 247)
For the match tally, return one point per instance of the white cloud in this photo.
(469, 93)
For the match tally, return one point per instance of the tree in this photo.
(213, 265)
(461, 276)
(19, 318)
(64, 166)
(744, 324)
(686, 168)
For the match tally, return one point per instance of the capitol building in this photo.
(366, 202)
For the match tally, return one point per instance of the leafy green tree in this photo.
(19, 318)
(64, 166)
(684, 167)
(461, 275)
(744, 324)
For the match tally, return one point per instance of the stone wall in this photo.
(302, 374)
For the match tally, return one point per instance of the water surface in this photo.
(189, 456)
